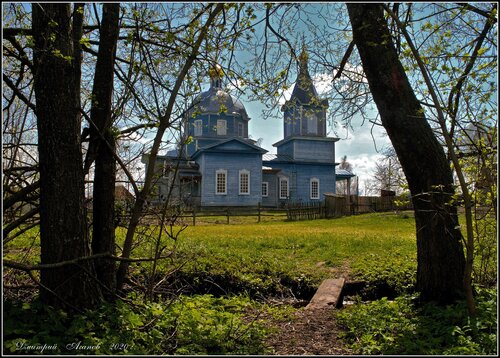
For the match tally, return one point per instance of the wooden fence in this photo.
(227, 214)
(334, 206)
(306, 211)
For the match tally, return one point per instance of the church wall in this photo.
(286, 149)
(300, 176)
(209, 130)
(232, 163)
(321, 151)
(272, 198)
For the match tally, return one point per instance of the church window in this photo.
(221, 127)
(265, 189)
(284, 190)
(221, 182)
(314, 188)
(198, 128)
(241, 130)
(244, 182)
(312, 123)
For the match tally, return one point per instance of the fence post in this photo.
(258, 208)
(194, 218)
(227, 214)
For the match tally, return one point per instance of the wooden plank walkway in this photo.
(328, 294)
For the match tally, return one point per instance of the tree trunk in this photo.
(102, 147)
(440, 253)
(63, 220)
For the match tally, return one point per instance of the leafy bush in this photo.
(396, 274)
(399, 327)
(190, 325)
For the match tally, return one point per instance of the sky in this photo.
(360, 144)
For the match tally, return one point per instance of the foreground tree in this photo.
(102, 149)
(64, 234)
(441, 261)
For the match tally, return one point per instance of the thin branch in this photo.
(20, 220)
(20, 195)
(17, 92)
(478, 11)
(344, 60)
(106, 255)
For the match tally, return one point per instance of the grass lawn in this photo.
(272, 257)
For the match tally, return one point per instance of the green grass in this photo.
(276, 257)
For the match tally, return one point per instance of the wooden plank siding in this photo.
(232, 162)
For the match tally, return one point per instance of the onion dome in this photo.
(216, 100)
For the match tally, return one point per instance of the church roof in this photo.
(343, 173)
(235, 145)
(310, 138)
(216, 100)
(304, 91)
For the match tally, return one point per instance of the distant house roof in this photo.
(121, 193)
(343, 173)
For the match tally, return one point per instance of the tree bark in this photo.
(102, 147)
(440, 255)
(63, 221)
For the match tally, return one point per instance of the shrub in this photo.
(399, 327)
(190, 325)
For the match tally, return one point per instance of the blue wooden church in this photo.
(222, 166)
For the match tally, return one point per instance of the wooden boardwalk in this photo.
(329, 294)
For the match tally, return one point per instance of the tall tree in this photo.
(63, 224)
(440, 255)
(102, 148)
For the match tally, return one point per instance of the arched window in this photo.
(221, 127)
(265, 189)
(241, 130)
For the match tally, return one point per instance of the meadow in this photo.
(221, 275)
(301, 254)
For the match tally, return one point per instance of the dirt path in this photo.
(308, 332)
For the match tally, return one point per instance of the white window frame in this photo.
(198, 128)
(221, 127)
(217, 173)
(311, 191)
(240, 184)
(265, 193)
(281, 181)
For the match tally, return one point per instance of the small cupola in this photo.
(304, 112)
(216, 73)
(304, 90)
